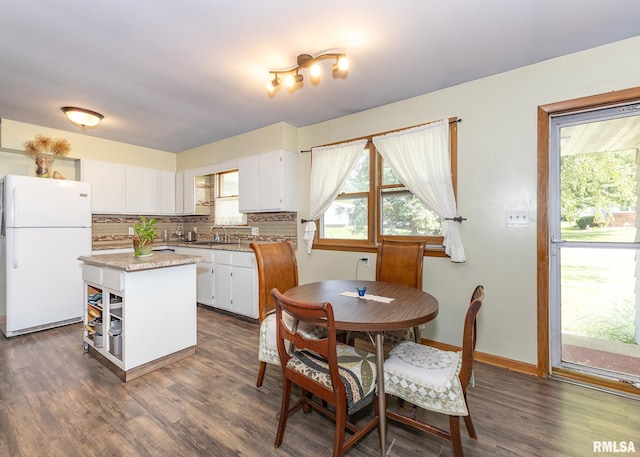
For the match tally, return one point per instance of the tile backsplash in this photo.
(112, 231)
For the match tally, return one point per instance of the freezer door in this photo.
(44, 276)
(41, 202)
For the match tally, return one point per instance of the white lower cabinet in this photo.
(227, 280)
(223, 282)
(205, 286)
(244, 282)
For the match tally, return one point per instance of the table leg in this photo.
(382, 400)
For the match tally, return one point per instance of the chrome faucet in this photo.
(238, 236)
(225, 239)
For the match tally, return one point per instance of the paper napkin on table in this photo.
(368, 297)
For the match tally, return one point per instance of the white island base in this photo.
(140, 314)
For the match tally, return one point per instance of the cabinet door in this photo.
(166, 192)
(245, 284)
(205, 283)
(141, 190)
(245, 295)
(180, 192)
(188, 192)
(107, 185)
(222, 278)
(248, 176)
(270, 182)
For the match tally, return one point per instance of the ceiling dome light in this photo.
(82, 117)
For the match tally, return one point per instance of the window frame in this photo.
(218, 189)
(374, 196)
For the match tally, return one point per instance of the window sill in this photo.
(429, 250)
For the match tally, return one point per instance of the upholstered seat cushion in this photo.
(268, 348)
(426, 377)
(357, 370)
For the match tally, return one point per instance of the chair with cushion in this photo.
(277, 267)
(399, 262)
(435, 380)
(334, 372)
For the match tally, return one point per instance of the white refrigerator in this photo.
(45, 226)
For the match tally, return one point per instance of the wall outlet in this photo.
(130, 230)
(365, 260)
(255, 231)
(517, 216)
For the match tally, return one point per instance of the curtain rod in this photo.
(452, 120)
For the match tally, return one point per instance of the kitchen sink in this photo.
(212, 243)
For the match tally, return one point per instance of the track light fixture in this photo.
(292, 76)
(82, 117)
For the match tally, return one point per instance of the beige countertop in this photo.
(243, 246)
(128, 262)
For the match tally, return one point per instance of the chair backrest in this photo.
(277, 268)
(469, 335)
(400, 262)
(309, 313)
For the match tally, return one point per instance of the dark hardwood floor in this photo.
(56, 400)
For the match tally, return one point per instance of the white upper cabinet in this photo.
(107, 185)
(166, 192)
(125, 189)
(268, 182)
(185, 192)
(141, 190)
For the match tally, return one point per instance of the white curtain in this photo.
(226, 212)
(330, 169)
(420, 157)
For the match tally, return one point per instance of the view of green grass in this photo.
(598, 285)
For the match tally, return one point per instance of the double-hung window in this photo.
(375, 204)
(227, 202)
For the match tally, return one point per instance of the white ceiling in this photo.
(173, 75)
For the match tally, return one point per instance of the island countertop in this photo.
(128, 262)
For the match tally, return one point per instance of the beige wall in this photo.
(271, 138)
(497, 149)
(13, 134)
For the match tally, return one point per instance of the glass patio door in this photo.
(595, 242)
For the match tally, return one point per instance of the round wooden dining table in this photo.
(409, 307)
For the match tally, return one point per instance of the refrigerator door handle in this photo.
(14, 207)
(16, 234)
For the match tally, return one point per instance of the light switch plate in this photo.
(517, 216)
(255, 231)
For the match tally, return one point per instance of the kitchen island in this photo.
(140, 312)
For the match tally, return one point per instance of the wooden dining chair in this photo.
(334, 372)
(277, 267)
(436, 380)
(398, 262)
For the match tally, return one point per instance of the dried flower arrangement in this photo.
(44, 149)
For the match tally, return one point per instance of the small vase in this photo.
(44, 165)
(141, 251)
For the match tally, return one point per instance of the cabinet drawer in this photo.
(208, 254)
(244, 259)
(91, 273)
(113, 279)
(223, 257)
